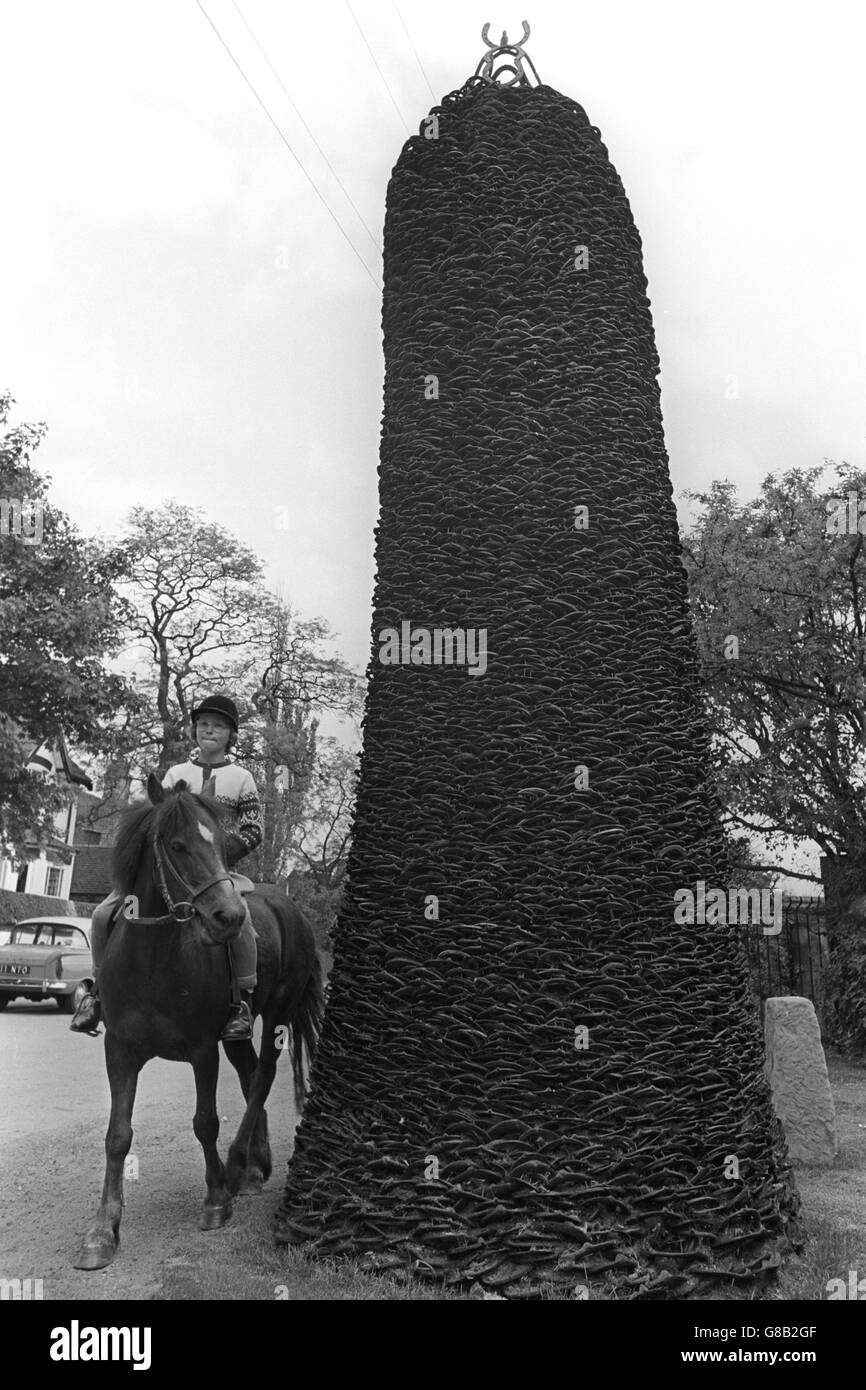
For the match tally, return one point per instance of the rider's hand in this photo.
(235, 849)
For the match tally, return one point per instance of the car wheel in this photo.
(4, 1000)
(68, 1003)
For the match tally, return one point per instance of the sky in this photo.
(181, 309)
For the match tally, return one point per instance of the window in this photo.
(53, 882)
(23, 936)
(70, 936)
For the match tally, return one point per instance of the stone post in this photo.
(797, 1072)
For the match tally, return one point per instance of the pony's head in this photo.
(175, 843)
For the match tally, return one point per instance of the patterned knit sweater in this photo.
(235, 790)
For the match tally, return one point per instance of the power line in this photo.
(378, 69)
(415, 51)
(329, 210)
(297, 111)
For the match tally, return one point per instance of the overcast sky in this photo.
(181, 310)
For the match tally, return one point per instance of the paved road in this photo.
(54, 1104)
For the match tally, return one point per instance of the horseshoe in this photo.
(503, 43)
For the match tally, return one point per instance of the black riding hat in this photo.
(217, 704)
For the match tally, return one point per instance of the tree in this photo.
(293, 682)
(280, 746)
(60, 619)
(322, 844)
(323, 835)
(203, 620)
(198, 602)
(781, 622)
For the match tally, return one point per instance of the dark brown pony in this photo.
(165, 990)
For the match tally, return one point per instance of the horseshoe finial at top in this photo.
(504, 49)
(503, 42)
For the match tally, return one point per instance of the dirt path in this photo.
(53, 1111)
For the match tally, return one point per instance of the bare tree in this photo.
(198, 600)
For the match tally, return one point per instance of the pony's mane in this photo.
(141, 821)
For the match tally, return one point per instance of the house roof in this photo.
(91, 872)
(53, 756)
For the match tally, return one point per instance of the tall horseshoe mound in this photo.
(529, 1072)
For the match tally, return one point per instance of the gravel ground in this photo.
(54, 1101)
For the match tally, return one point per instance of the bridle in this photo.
(174, 914)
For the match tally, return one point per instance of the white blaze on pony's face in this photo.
(221, 908)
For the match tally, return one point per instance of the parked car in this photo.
(46, 958)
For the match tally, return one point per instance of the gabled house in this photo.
(48, 872)
(96, 827)
(91, 875)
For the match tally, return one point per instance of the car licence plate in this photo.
(14, 969)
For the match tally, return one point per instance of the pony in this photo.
(165, 990)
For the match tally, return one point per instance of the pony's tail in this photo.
(306, 1027)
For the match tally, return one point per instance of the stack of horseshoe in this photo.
(531, 1078)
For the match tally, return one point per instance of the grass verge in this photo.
(242, 1262)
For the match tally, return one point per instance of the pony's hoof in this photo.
(252, 1183)
(234, 1179)
(212, 1218)
(95, 1252)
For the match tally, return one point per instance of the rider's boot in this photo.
(88, 1015)
(240, 1023)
